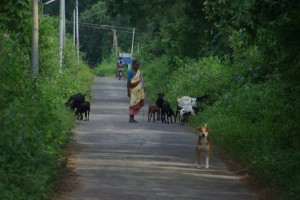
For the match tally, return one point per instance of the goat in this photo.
(184, 101)
(170, 113)
(159, 101)
(197, 109)
(85, 108)
(75, 100)
(185, 112)
(152, 109)
(166, 113)
(178, 113)
(203, 98)
(189, 101)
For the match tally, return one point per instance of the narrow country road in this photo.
(116, 160)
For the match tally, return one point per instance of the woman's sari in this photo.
(137, 94)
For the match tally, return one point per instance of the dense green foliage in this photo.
(95, 27)
(35, 123)
(245, 55)
(96, 34)
(256, 124)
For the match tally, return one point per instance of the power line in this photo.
(49, 2)
(115, 27)
(102, 27)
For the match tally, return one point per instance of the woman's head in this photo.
(135, 65)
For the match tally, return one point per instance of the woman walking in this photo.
(135, 89)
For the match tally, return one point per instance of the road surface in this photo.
(112, 159)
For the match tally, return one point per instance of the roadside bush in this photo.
(107, 68)
(15, 72)
(254, 115)
(194, 78)
(260, 122)
(35, 124)
(156, 75)
(208, 75)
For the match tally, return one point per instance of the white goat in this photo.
(186, 101)
(182, 102)
(187, 110)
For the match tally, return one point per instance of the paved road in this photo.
(143, 161)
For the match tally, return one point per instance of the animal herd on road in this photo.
(186, 106)
(163, 112)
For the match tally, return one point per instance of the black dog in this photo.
(159, 102)
(166, 113)
(75, 100)
(83, 108)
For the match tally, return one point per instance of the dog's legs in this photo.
(207, 162)
(197, 157)
(85, 115)
(153, 116)
(88, 115)
(149, 116)
(158, 115)
(162, 117)
(207, 158)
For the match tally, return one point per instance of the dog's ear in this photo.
(199, 128)
(207, 128)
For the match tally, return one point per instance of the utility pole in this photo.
(35, 39)
(77, 32)
(132, 42)
(115, 40)
(64, 24)
(74, 28)
(61, 32)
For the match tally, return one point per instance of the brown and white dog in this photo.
(203, 144)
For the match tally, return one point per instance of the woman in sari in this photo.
(135, 88)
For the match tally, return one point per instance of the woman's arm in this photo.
(128, 88)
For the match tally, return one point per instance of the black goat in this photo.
(85, 108)
(203, 98)
(159, 102)
(166, 113)
(75, 100)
